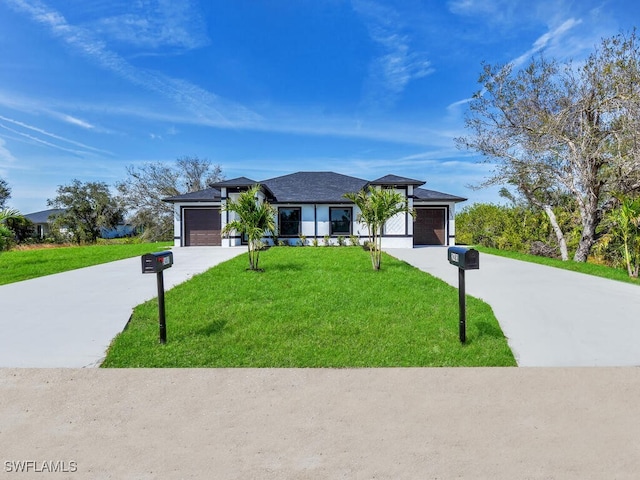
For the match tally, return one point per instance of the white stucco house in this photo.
(312, 204)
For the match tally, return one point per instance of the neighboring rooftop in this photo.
(44, 215)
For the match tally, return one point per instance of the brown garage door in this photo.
(202, 227)
(429, 227)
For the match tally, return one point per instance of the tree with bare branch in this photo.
(553, 130)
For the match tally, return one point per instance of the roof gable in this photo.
(392, 180)
(235, 182)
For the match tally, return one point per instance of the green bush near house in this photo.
(322, 307)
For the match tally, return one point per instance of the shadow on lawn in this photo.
(280, 266)
(213, 328)
(486, 329)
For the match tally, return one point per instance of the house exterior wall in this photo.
(177, 225)
(315, 222)
(452, 223)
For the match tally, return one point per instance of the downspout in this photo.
(315, 221)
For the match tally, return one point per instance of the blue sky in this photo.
(264, 88)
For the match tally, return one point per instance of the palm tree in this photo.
(377, 205)
(624, 226)
(254, 218)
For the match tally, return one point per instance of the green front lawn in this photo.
(18, 265)
(312, 307)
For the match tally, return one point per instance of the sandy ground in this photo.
(501, 423)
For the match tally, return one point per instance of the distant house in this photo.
(42, 220)
(42, 223)
(312, 204)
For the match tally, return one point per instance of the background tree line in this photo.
(565, 136)
(89, 207)
(521, 227)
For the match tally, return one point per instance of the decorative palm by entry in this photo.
(254, 219)
(377, 205)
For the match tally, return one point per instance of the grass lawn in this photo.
(588, 268)
(312, 307)
(18, 265)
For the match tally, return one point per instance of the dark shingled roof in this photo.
(313, 187)
(206, 195)
(44, 215)
(235, 182)
(391, 180)
(432, 195)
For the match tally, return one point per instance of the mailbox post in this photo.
(158, 263)
(464, 259)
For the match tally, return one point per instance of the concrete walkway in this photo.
(552, 317)
(69, 319)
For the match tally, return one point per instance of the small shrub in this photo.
(341, 241)
(282, 243)
(6, 238)
(542, 249)
(314, 242)
(327, 240)
(302, 240)
(354, 240)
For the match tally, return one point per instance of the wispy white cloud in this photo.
(495, 11)
(40, 131)
(154, 24)
(76, 121)
(196, 100)
(545, 40)
(549, 38)
(390, 72)
(5, 155)
(40, 141)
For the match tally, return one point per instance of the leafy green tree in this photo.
(6, 235)
(22, 228)
(148, 184)
(377, 205)
(88, 207)
(518, 227)
(554, 130)
(5, 192)
(255, 219)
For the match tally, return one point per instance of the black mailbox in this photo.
(464, 258)
(156, 262)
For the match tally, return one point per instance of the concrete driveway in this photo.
(552, 317)
(69, 319)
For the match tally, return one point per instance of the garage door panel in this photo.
(429, 227)
(202, 227)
